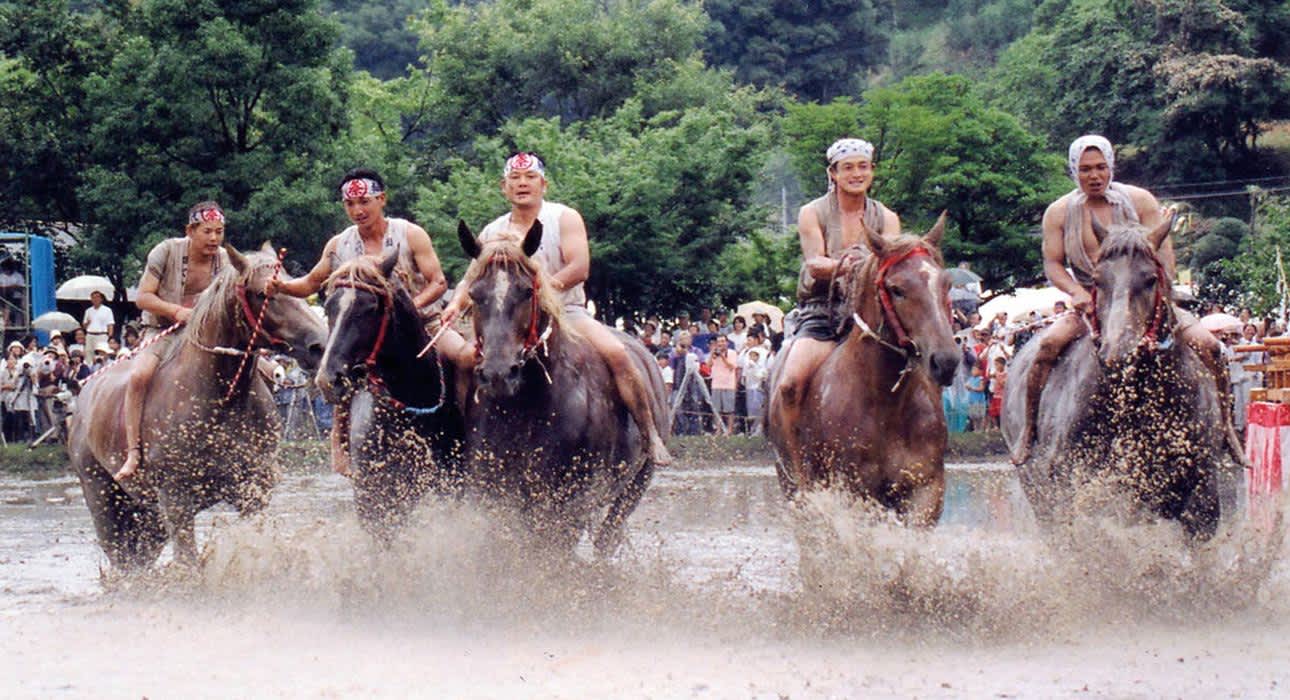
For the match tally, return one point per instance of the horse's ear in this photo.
(532, 239)
(239, 262)
(1098, 229)
(267, 247)
(388, 261)
(933, 237)
(469, 243)
(874, 240)
(1158, 235)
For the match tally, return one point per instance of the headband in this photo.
(846, 148)
(206, 214)
(1083, 143)
(524, 161)
(357, 187)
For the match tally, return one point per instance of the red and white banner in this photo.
(1267, 446)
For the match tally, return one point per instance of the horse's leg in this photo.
(130, 533)
(610, 535)
(922, 508)
(1201, 510)
(180, 515)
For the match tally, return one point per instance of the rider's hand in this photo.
(273, 286)
(821, 267)
(181, 316)
(1082, 301)
(450, 313)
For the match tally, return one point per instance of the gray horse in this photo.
(201, 447)
(546, 432)
(1128, 404)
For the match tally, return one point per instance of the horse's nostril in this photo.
(515, 371)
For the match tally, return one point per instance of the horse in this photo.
(546, 432)
(1128, 404)
(210, 428)
(872, 423)
(405, 428)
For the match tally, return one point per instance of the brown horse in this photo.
(200, 447)
(1129, 405)
(546, 432)
(872, 422)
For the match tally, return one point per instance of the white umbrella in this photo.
(56, 321)
(79, 288)
(1220, 323)
(776, 315)
(1022, 302)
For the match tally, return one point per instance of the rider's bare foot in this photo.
(127, 470)
(340, 460)
(1022, 452)
(658, 453)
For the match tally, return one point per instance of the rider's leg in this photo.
(1210, 351)
(460, 355)
(632, 387)
(339, 440)
(805, 356)
(1051, 344)
(145, 365)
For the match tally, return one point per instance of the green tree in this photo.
(1251, 277)
(817, 51)
(379, 33)
(238, 101)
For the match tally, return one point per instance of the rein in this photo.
(904, 345)
(533, 338)
(376, 384)
(256, 325)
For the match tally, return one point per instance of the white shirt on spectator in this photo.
(755, 364)
(98, 320)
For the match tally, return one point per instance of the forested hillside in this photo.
(685, 132)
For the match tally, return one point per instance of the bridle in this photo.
(1160, 310)
(534, 339)
(376, 384)
(904, 344)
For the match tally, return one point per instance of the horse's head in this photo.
(905, 278)
(285, 323)
(361, 299)
(1131, 290)
(515, 306)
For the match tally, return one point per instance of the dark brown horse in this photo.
(872, 423)
(405, 430)
(546, 431)
(200, 447)
(1130, 404)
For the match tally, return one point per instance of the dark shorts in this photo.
(816, 321)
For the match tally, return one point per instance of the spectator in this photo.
(9, 377)
(738, 334)
(998, 382)
(1059, 308)
(754, 368)
(723, 363)
(131, 339)
(114, 347)
(665, 341)
(723, 323)
(649, 335)
(21, 406)
(976, 398)
(102, 358)
(99, 323)
(688, 401)
(665, 368)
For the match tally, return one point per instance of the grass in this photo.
(42, 462)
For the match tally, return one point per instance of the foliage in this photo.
(379, 33)
(817, 50)
(1250, 277)
(1211, 247)
(662, 196)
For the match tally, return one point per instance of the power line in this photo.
(1232, 193)
(1210, 183)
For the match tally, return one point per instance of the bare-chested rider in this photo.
(1070, 253)
(177, 272)
(362, 191)
(565, 255)
(827, 227)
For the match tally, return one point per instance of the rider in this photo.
(566, 257)
(177, 272)
(1069, 240)
(362, 191)
(827, 227)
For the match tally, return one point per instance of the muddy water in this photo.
(706, 600)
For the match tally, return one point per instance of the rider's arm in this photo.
(423, 256)
(574, 250)
(1055, 250)
(151, 283)
(310, 283)
(890, 224)
(1150, 216)
(810, 233)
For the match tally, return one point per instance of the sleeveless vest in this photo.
(811, 290)
(168, 262)
(1122, 212)
(350, 247)
(548, 254)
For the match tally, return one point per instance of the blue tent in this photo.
(38, 254)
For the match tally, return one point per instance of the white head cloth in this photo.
(524, 161)
(1083, 143)
(848, 148)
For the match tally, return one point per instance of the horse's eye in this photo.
(896, 292)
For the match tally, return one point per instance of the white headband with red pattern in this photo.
(206, 214)
(358, 187)
(524, 161)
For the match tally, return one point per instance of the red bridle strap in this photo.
(884, 298)
(1159, 309)
(387, 312)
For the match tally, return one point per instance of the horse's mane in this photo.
(505, 250)
(214, 311)
(861, 278)
(365, 269)
(1126, 240)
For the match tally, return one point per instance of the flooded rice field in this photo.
(710, 598)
